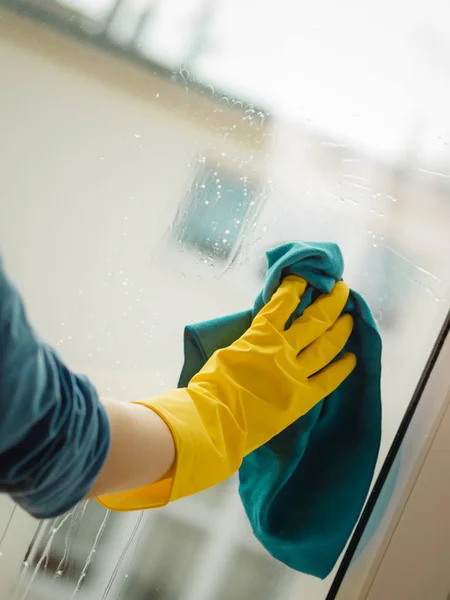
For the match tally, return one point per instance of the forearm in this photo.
(142, 449)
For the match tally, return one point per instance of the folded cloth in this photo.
(303, 490)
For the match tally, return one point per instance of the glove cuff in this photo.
(202, 429)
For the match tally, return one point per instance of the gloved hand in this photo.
(249, 392)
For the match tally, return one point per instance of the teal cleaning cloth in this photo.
(303, 490)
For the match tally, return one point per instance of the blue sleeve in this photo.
(54, 433)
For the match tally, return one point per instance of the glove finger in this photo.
(318, 317)
(325, 349)
(284, 301)
(330, 378)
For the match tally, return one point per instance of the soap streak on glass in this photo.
(55, 527)
(91, 554)
(125, 550)
(78, 514)
(5, 531)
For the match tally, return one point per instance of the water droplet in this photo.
(137, 135)
(227, 232)
(206, 201)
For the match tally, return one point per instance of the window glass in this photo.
(251, 575)
(170, 542)
(151, 153)
(215, 213)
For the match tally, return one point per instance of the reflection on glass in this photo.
(164, 562)
(215, 497)
(251, 575)
(216, 211)
(93, 9)
(306, 127)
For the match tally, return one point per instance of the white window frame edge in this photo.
(359, 576)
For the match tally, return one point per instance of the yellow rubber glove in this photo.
(249, 392)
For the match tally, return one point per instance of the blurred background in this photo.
(150, 153)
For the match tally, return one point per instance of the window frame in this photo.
(409, 450)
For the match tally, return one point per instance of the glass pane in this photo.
(170, 542)
(72, 537)
(251, 574)
(216, 208)
(94, 9)
(151, 152)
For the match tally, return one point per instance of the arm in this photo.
(142, 449)
(58, 442)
